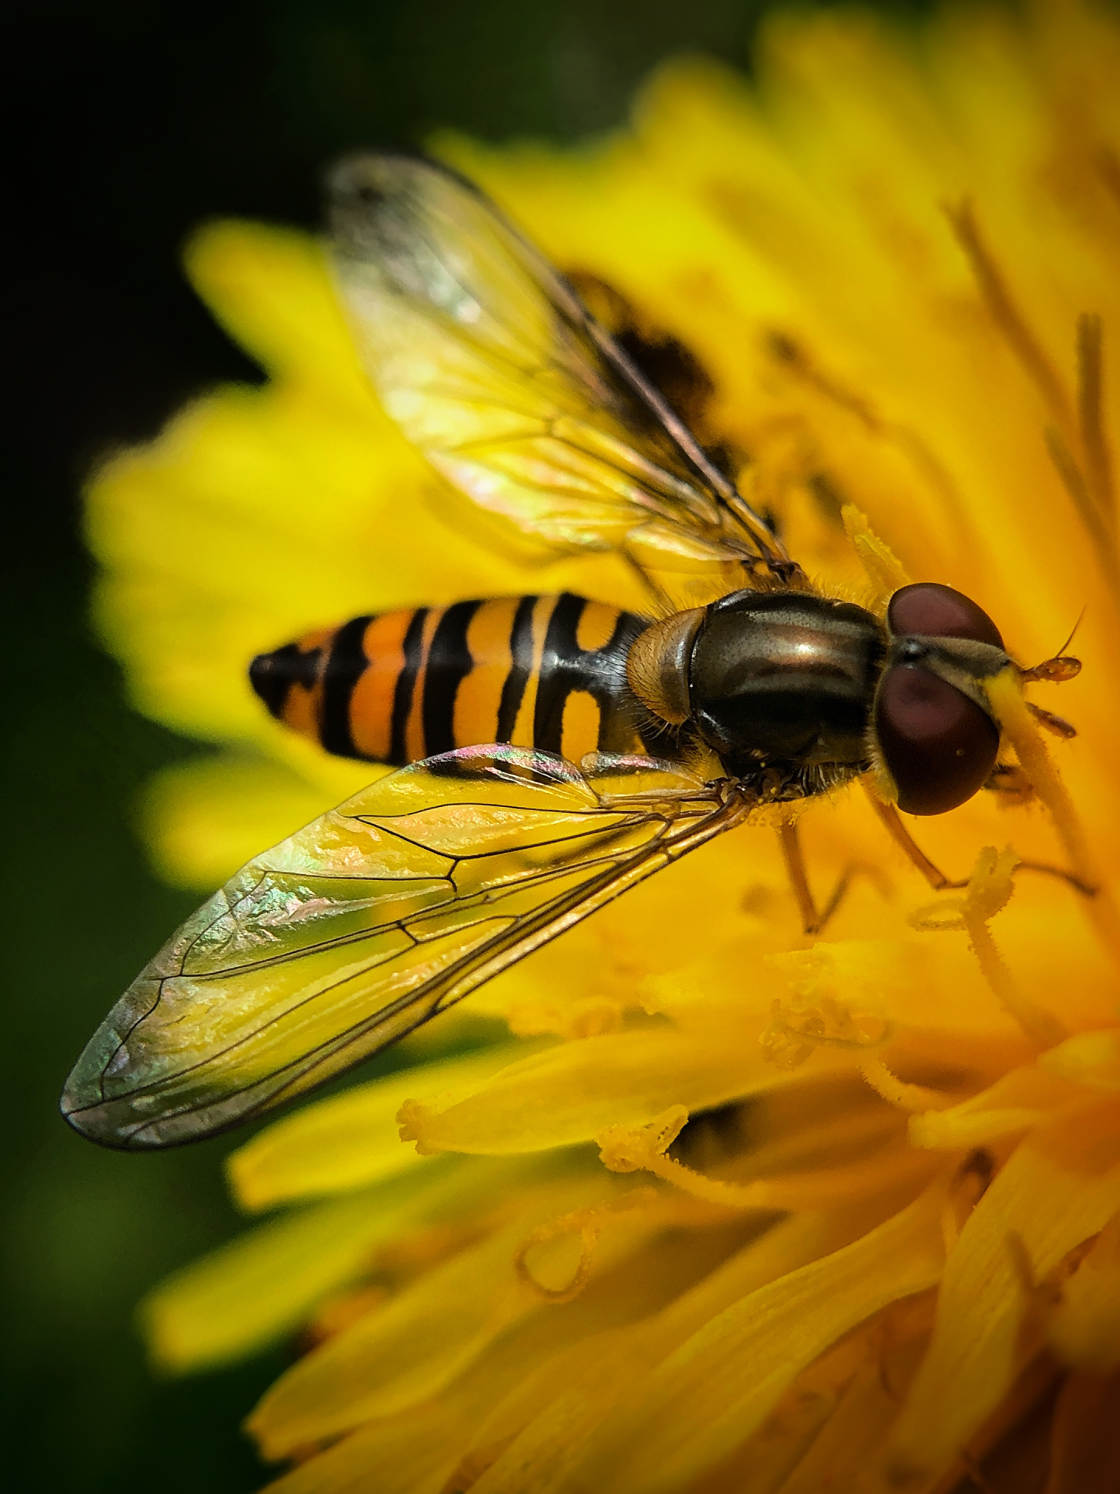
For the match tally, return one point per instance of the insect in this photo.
(613, 742)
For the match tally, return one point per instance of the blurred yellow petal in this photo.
(1091, 1058)
(205, 819)
(854, 1426)
(266, 1283)
(410, 1454)
(1085, 1326)
(1086, 1443)
(271, 290)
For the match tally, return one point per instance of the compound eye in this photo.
(938, 611)
(938, 745)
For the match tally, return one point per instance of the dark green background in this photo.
(131, 122)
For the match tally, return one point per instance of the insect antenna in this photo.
(1060, 667)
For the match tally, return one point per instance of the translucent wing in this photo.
(374, 918)
(493, 367)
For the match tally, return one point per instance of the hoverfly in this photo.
(379, 915)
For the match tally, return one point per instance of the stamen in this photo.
(587, 1223)
(1089, 482)
(1043, 1029)
(884, 569)
(644, 1149)
(794, 356)
(1010, 320)
(813, 1017)
(1090, 407)
(988, 892)
(1010, 710)
(588, 1231)
(1108, 164)
(925, 460)
(1075, 485)
(913, 1098)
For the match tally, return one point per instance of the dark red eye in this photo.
(938, 745)
(939, 612)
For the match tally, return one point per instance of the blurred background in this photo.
(132, 122)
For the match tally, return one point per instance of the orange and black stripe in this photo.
(546, 672)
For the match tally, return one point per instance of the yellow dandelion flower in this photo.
(720, 1206)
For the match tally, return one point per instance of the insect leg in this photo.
(892, 822)
(935, 876)
(799, 880)
(812, 918)
(1047, 869)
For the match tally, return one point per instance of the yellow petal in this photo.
(711, 1393)
(856, 1424)
(457, 1432)
(350, 1140)
(1089, 1058)
(572, 1092)
(403, 1353)
(396, 1355)
(1060, 1186)
(554, 1414)
(1014, 1103)
(1084, 1328)
(412, 1454)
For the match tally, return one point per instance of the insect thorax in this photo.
(781, 684)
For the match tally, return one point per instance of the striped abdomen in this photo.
(546, 672)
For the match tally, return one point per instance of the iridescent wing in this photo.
(373, 919)
(495, 370)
